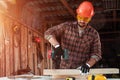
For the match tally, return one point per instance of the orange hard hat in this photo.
(85, 9)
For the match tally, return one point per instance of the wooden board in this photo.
(77, 72)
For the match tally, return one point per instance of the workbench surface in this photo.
(5, 78)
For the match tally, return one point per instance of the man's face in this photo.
(83, 21)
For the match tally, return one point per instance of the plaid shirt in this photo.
(81, 46)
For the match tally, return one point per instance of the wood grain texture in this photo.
(77, 72)
(16, 48)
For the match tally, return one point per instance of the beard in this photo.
(82, 24)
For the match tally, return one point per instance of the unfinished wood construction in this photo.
(18, 51)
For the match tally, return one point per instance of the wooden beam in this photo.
(77, 72)
(64, 2)
(46, 5)
(55, 12)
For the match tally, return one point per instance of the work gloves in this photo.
(56, 56)
(58, 52)
(85, 68)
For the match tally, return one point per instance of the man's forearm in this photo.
(54, 42)
(91, 62)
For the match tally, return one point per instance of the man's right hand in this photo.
(56, 56)
(58, 52)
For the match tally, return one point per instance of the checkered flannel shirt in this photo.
(81, 46)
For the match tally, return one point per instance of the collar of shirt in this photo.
(81, 30)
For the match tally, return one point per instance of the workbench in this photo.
(61, 74)
(39, 78)
(64, 73)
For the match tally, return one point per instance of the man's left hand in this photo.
(85, 68)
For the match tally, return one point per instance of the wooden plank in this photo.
(7, 36)
(24, 47)
(16, 59)
(30, 50)
(11, 57)
(2, 51)
(42, 60)
(77, 72)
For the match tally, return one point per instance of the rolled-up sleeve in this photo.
(55, 31)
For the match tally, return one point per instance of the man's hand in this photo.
(58, 52)
(85, 68)
(56, 56)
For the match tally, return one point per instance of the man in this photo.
(79, 39)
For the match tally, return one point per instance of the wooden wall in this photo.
(17, 50)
